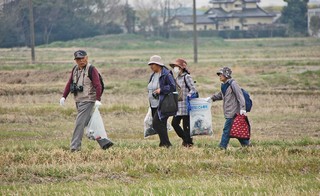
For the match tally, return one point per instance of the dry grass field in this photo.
(282, 75)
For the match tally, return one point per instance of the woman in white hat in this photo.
(160, 84)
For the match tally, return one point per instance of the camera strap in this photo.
(83, 75)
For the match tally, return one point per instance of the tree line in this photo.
(61, 20)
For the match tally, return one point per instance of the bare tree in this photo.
(315, 25)
(155, 15)
(47, 15)
(146, 15)
(106, 11)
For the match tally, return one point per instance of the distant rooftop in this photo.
(201, 19)
(314, 10)
(252, 12)
(231, 1)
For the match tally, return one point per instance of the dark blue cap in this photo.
(80, 54)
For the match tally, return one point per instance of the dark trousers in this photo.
(160, 126)
(184, 133)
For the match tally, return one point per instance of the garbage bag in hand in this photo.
(95, 130)
(148, 128)
(200, 117)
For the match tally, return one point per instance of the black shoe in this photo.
(105, 143)
(74, 150)
(108, 145)
(165, 145)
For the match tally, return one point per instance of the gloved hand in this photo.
(62, 100)
(208, 99)
(97, 104)
(243, 112)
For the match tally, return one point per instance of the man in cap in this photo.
(87, 94)
(233, 103)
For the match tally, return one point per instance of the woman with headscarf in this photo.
(161, 83)
(187, 91)
(233, 103)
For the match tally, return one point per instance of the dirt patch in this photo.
(32, 76)
(46, 76)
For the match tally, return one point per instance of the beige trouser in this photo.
(83, 118)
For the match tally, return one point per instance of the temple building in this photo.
(226, 15)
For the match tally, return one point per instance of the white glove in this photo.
(62, 101)
(97, 104)
(243, 112)
(208, 99)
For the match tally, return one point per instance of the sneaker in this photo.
(247, 146)
(222, 148)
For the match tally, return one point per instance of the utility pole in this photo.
(195, 40)
(31, 21)
(169, 20)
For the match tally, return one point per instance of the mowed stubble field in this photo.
(282, 75)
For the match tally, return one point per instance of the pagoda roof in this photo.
(248, 12)
(231, 1)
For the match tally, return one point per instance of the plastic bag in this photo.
(95, 130)
(148, 129)
(200, 117)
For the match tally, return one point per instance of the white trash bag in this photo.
(95, 130)
(148, 129)
(200, 117)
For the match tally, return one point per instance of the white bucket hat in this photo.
(155, 59)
